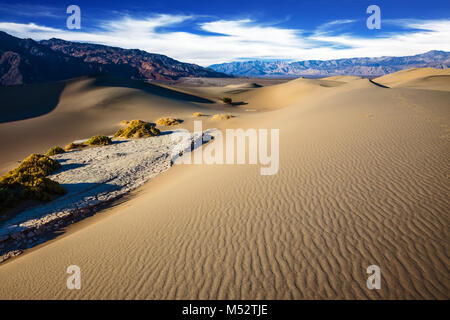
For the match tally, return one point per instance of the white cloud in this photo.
(31, 10)
(332, 26)
(229, 40)
(430, 35)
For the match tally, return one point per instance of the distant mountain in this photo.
(140, 64)
(366, 67)
(28, 61)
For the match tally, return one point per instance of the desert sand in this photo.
(101, 174)
(421, 78)
(363, 180)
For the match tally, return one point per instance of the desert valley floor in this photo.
(363, 179)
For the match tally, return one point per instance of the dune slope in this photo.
(81, 108)
(363, 180)
(423, 78)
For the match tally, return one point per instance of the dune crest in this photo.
(422, 78)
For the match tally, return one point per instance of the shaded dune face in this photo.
(158, 90)
(363, 180)
(40, 116)
(24, 102)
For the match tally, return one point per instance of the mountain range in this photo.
(365, 67)
(27, 61)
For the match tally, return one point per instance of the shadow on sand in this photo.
(378, 84)
(78, 191)
(28, 101)
(22, 102)
(147, 87)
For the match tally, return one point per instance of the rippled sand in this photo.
(363, 180)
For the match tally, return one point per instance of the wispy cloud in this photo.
(31, 10)
(419, 36)
(229, 40)
(333, 26)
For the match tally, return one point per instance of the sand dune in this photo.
(29, 101)
(343, 78)
(239, 88)
(285, 94)
(223, 82)
(363, 180)
(248, 85)
(95, 176)
(437, 82)
(423, 78)
(86, 107)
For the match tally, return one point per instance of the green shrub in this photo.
(55, 150)
(227, 100)
(138, 129)
(73, 145)
(36, 165)
(168, 122)
(28, 181)
(221, 116)
(99, 141)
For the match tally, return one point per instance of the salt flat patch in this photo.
(100, 174)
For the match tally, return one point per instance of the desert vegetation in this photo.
(227, 100)
(73, 145)
(197, 114)
(221, 116)
(28, 181)
(54, 151)
(99, 141)
(137, 129)
(168, 122)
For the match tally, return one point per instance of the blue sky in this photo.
(208, 32)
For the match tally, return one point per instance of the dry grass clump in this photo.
(99, 141)
(227, 100)
(168, 122)
(28, 181)
(197, 114)
(73, 145)
(138, 129)
(55, 150)
(221, 116)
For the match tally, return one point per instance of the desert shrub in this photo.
(28, 181)
(99, 141)
(37, 165)
(72, 146)
(124, 122)
(168, 121)
(7, 197)
(222, 116)
(55, 150)
(138, 129)
(227, 100)
(197, 114)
